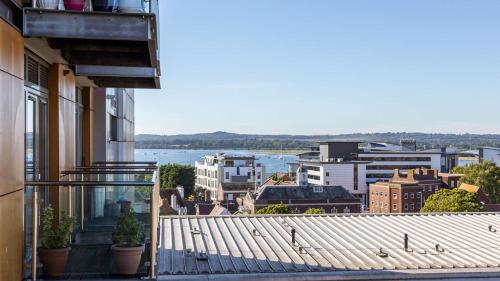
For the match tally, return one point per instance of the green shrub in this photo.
(55, 236)
(129, 230)
(313, 211)
(275, 209)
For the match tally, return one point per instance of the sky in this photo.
(325, 67)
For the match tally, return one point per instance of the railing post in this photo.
(34, 238)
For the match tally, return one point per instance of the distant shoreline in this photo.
(270, 151)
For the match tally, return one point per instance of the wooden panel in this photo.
(62, 123)
(11, 237)
(11, 50)
(11, 133)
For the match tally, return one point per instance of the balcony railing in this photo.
(95, 196)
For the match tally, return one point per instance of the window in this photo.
(327, 183)
(406, 206)
(327, 174)
(394, 207)
(373, 204)
(249, 175)
(419, 206)
(394, 196)
(318, 189)
(419, 194)
(412, 207)
(385, 205)
(227, 175)
(452, 184)
(376, 193)
(430, 187)
(437, 188)
(412, 195)
(406, 195)
(258, 175)
(113, 128)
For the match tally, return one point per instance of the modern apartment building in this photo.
(405, 192)
(218, 169)
(489, 154)
(67, 80)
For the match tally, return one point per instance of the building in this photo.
(450, 180)
(382, 164)
(68, 80)
(230, 191)
(405, 192)
(337, 165)
(489, 154)
(459, 246)
(330, 199)
(222, 168)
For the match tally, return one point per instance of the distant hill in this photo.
(225, 140)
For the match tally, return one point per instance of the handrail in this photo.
(97, 172)
(115, 167)
(89, 183)
(124, 162)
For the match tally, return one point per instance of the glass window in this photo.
(406, 195)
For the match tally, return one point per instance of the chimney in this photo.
(180, 188)
(173, 202)
(411, 174)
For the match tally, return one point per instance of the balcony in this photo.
(115, 50)
(96, 196)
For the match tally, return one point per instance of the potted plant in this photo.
(128, 244)
(74, 5)
(55, 242)
(131, 6)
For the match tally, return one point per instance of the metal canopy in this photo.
(116, 50)
(120, 76)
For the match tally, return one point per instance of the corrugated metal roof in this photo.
(193, 245)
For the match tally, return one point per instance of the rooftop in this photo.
(330, 247)
(296, 192)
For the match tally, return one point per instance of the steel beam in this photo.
(114, 71)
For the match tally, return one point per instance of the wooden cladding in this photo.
(11, 50)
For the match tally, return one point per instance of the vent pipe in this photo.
(293, 236)
(406, 242)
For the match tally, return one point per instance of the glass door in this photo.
(36, 165)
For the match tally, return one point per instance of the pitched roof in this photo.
(231, 186)
(469, 187)
(295, 192)
(333, 247)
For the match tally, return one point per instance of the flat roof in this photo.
(331, 247)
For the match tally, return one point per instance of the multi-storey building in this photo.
(489, 154)
(67, 80)
(405, 192)
(222, 169)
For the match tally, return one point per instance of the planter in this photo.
(131, 6)
(127, 259)
(74, 5)
(104, 5)
(48, 4)
(54, 261)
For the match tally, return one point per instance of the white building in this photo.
(221, 168)
(344, 163)
(490, 154)
(383, 164)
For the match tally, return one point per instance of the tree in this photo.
(275, 209)
(485, 175)
(172, 175)
(313, 211)
(452, 200)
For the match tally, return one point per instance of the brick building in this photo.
(405, 192)
(330, 199)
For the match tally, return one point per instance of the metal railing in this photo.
(87, 191)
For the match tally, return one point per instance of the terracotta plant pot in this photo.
(53, 261)
(74, 5)
(127, 259)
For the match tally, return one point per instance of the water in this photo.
(271, 160)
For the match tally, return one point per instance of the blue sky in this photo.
(325, 67)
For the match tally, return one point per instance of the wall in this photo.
(12, 121)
